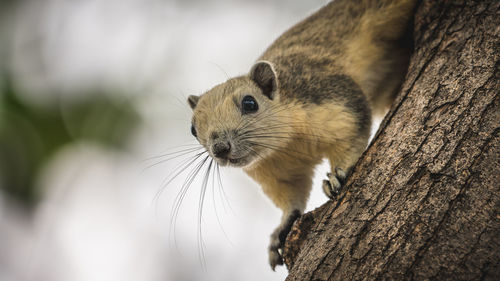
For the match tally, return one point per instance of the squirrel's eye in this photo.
(249, 105)
(193, 131)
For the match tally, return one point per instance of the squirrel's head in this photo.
(234, 120)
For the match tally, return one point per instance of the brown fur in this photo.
(316, 87)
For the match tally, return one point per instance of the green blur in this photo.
(31, 135)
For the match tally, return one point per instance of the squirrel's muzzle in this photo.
(221, 149)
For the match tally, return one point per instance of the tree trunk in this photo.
(423, 200)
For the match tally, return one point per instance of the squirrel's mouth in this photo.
(235, 162)
(233, 156)
(239, 162)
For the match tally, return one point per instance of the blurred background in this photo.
(92, 117)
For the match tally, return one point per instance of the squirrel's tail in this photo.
(387, 19)
(378, 53)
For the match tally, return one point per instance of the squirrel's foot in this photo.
(275, 257)
(333, 185)
(278, 238)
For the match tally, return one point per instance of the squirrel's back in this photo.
(366, 40)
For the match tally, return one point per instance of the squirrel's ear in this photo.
(193, 101)
(264, 75)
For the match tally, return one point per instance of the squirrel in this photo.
(309, 96)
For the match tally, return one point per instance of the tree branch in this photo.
(423, 200)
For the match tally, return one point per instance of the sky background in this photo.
(105, 214)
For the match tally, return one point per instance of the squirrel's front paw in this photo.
(279, 236)
(333, 185)
(275, 257)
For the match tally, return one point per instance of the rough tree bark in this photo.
(423, 201)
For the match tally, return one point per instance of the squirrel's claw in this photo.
(333, 185)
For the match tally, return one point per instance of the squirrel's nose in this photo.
(221, 149)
